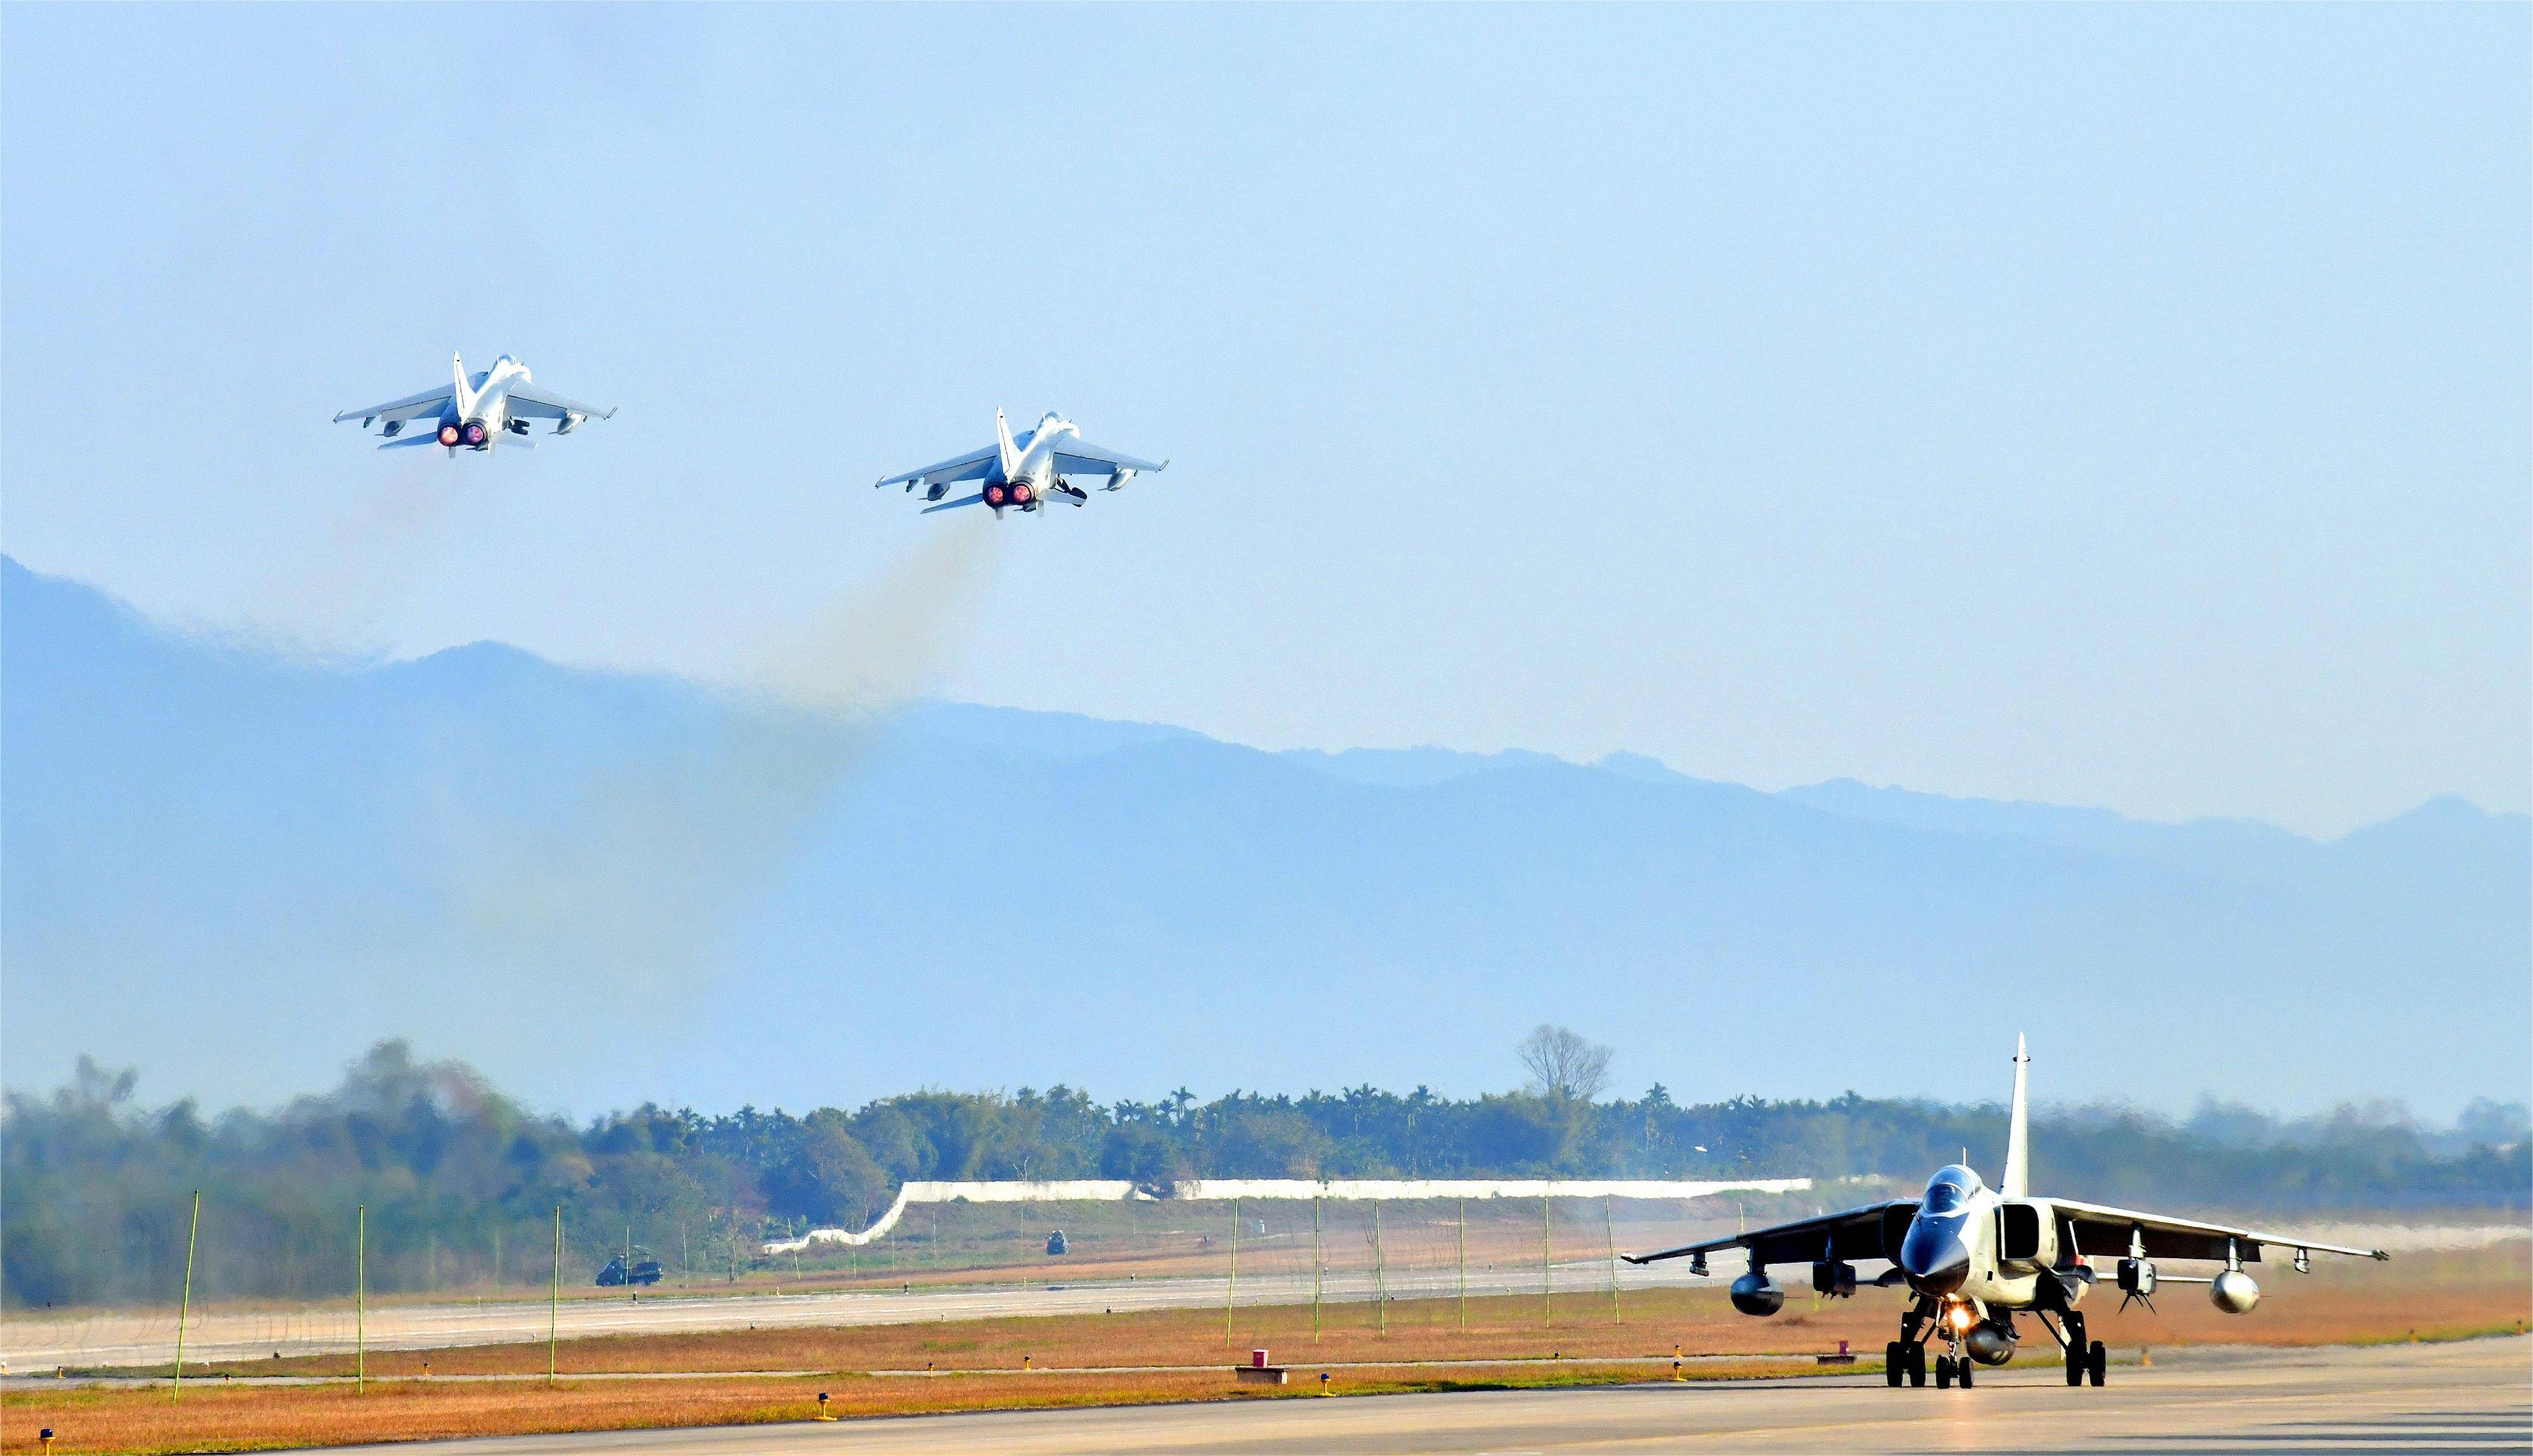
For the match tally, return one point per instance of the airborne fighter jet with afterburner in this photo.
(1975, 1257)
(474, 412)
(1027, 471)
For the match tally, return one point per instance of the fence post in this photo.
(184, 1307)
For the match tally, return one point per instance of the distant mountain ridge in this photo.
(235, 870)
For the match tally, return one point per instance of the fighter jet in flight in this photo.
(474, 412)
(1025, 472)
(1975, 1257)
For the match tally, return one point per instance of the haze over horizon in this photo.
(604, 889)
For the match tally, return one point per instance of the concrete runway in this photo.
(145, 1338)
(2475, 1395)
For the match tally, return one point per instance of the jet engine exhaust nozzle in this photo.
(996, 497)
(474, 434)
(1022, 494)
(449, 435)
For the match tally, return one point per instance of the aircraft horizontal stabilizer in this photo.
(426, 437)
(977, 499)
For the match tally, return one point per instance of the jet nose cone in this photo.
(1934, 1261)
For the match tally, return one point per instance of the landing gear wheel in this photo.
(1961, 1367)
(1916, 1366)
(1943, 1372)
(2075, 1365)
(1894, 1363)
(2098, 1361)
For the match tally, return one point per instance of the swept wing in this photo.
(530, 402)
(1856, 1233)
(1078, 456)
(412, 406)
(2104, 1230)
(971, 466)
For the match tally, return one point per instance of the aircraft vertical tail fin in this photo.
(465, 397)
(1010, 455)
(2017, 1129)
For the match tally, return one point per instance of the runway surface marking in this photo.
(2473, 1395)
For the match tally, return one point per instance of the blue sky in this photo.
(2113, 405)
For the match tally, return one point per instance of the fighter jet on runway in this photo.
(1025, 472)
(1975, 1257)
(476, 412)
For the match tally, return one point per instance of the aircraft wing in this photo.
(971, 466)
(1079, 456)
(527, 401)
(2104, 1230)
(428, 403)
(1856, 1233)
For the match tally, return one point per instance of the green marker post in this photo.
(1231, 1287)
(1547, 1278)
(184, 1307)
(1380, 1273)
(553, 1309)
(1464, 1266)
(1609, 1230)
(1314, 1267)
(360, 1299)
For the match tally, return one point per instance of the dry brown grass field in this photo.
(2427, 1297)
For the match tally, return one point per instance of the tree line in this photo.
(460, 1182)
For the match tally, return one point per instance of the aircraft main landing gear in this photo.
(2087, 1361)
(1904, 1361)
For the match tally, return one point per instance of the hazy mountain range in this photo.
(234, 869)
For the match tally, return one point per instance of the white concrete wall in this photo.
(1106, 1191)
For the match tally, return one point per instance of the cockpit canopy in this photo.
(1949, 1189)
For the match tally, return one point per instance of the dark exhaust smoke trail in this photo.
(633, 886)
(368, 556)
